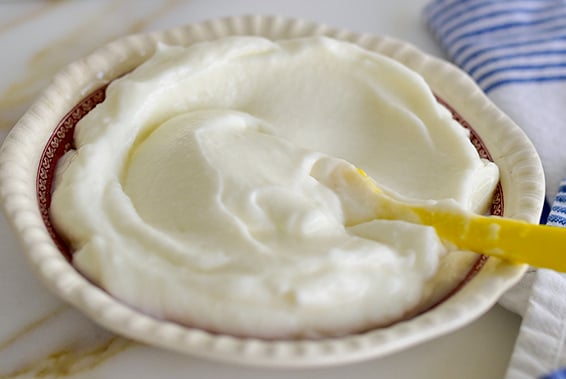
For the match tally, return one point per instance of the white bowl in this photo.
(30, 152)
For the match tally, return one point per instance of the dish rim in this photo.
(19, 159)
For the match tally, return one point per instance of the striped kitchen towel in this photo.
(503, 42)
(541, 342)
(541, 345)
(557, 215)
(516, 52)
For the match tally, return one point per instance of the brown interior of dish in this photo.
(61, 141)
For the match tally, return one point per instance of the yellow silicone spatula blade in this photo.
(511, 240)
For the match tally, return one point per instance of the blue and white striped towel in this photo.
(516, 51)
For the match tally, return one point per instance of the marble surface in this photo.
(40, 336)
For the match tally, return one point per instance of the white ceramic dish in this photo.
(30, 152)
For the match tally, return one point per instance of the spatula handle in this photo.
(509, 239)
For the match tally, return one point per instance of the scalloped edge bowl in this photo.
(521, 179)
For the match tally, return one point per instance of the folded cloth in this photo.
(516, 51)
(541, 344)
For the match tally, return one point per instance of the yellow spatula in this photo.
(508, 239)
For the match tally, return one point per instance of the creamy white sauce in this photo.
(202, 188)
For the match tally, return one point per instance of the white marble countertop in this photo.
(40, 336)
